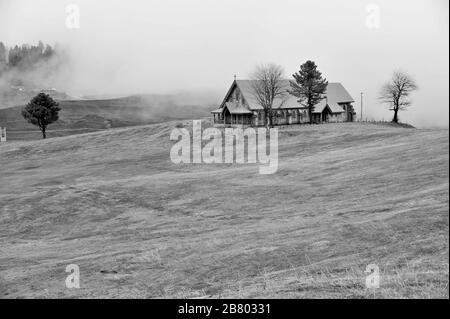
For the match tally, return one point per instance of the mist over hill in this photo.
(79, 116)
(26, 70)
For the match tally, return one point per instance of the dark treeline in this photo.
(25, 56)
(26, 68)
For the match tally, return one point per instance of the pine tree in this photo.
(309, 86)
(3, 52)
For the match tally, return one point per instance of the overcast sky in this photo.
(134, 46)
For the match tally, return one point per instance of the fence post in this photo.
(2, 134)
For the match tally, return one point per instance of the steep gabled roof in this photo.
(288, 101)
(334, 107)
(335, 93)
(237, 109)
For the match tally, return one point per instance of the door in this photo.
(227, 116)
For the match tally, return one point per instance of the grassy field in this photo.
(345, 196)
(85, 116)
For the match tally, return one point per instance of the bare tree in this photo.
(267, 86)
(397, 91)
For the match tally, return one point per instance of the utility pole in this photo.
(361, 106)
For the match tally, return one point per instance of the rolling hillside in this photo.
(83, 116)
(345, 196)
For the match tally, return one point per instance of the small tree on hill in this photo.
(309, 86)
(396, 92)
(41, 111)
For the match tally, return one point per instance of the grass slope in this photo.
(84, 116)
(345, 196)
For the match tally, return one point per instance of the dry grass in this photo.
(345, 196)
